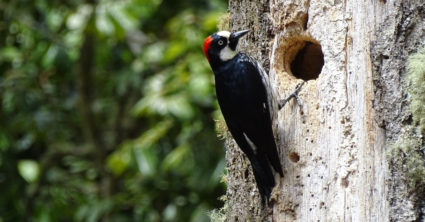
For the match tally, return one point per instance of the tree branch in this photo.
(85, 86)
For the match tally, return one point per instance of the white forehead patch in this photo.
(224, 34)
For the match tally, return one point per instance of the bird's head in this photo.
(221, 46)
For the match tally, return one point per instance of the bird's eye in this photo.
(220, 42)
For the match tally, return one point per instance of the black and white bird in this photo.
(248, 105)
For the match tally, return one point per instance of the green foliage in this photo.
(106, 111)
(29, 170)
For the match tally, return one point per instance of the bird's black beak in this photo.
(234, 38)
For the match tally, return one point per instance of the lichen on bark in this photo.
(397, 38)
(407, 154)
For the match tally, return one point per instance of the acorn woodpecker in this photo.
(247, 103)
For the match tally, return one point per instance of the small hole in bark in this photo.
(246, 173)
(294, 157)
(308, 61)
(344, 182)
(408, 120)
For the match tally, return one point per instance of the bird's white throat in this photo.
(227, 53)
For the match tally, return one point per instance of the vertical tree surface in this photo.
(335, 149)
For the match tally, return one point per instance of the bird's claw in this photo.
(294, 94)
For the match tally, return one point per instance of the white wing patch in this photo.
(251, 144)
(227, 53)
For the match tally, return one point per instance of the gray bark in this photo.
(334, 150)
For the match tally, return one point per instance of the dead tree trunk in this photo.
(335, 151)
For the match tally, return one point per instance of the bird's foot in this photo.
(294, 94)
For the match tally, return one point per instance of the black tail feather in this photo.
(263, 176)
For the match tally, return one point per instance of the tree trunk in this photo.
(334, 149)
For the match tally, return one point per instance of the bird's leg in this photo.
(294, 94)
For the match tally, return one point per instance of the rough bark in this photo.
(334, 150)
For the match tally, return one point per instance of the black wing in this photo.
(245, 104)
(262, 132)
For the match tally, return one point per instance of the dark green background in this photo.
(107, 111)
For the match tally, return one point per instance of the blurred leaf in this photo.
(79, 19)
(49, 56)
(200, 214)
(103, 22)
(174, 50)
(146, 160)
(210, 21)
(170, 212)
(122, 16)
(151, 136)
(118, 28)
(93, 212)
(4, 142)
(9, 53)
(29, 170)
(118, 161)
(142, 147)
(154, 52)
(159, 101)
(218, 172)
(179, 158)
